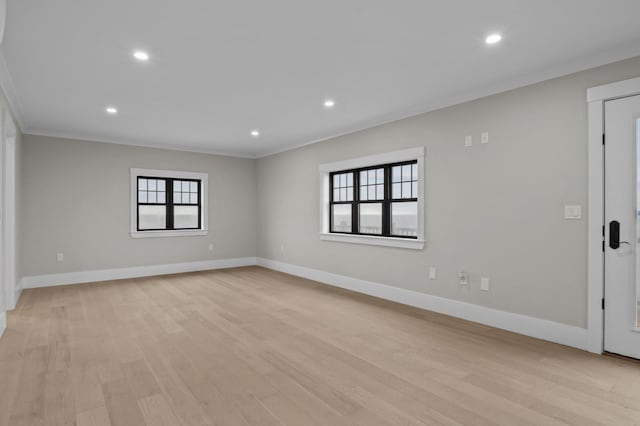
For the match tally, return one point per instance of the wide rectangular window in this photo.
(376, 200)
(168, 203)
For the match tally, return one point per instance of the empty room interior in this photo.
(319, 212)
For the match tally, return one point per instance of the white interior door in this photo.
(622, 226)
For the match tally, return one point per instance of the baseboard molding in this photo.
(133, 272)
(3, 322)
(534, 327)
(18, 293)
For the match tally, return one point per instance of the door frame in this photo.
(596, 97)
(9, 219)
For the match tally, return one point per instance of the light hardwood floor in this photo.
(250, 346)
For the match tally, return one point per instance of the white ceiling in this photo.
(219, 69)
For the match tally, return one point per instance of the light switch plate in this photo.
(573, 212)
(484, 284)
(484, 138)
(432, 273)
(468, 141)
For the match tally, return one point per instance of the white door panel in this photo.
(622, 123)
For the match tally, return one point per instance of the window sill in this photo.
(406, 243)
(159, 234)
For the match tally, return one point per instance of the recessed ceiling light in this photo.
(329, 103)
(111, 110)
(493, 39)
(141, 55)
(255, 133)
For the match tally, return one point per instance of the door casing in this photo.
(596, 97)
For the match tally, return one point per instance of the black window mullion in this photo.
(355, 205)
(386, 204)
(169, 200)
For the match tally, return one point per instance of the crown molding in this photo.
(62, 135)
(575, 65)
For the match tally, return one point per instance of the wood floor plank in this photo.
(250, 346)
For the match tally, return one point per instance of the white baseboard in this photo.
(539, 328)
(3, 322)
(133, 272)
(18, 293)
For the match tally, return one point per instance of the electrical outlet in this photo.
(484, 137)
(60, 257)
(468, 141)
(484, 284)
(463, 278)
(432, 273)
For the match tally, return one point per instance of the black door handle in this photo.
(614, 234)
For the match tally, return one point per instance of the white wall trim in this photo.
(3, 322)
(19, 288)
(132, 272)
(618, 89)
(573, 65)
(539, 328)
(100, 139)
(372, 240)
(596, 97)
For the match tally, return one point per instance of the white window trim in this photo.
(204, 188)
(373, 160)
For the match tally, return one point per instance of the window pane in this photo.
(343, 180)
(372, 176)
(160, 185)
(371, 218)
(152, 217)
(363, 178)
(350, 193)
(414, 172)
(406, 189)
(185, 198)
(176, 185)
(142, 196)
(414, 190)
(194, 198)
(336, 195)
(397, 170)
(406, 172)
(363, 193)
(151, 197)
(185, 217)
(372, 192)
(142, 184)
(397, 190)
(341, 221)
(380, 176)
(151, 184)
(404, 219)
(161, 197)
(193, 186)
(343, 194)
(379, 192)
(349, 179)
(185, 186)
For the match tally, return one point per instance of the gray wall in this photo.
(76, 201)
(493, 210)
